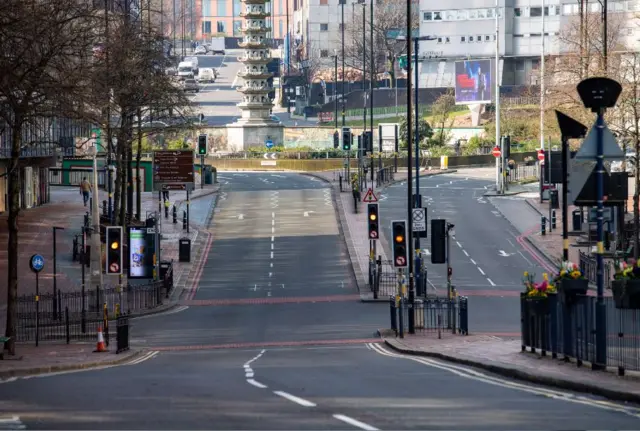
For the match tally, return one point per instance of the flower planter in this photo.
(538, 306)
(626, 293)
(569, 288)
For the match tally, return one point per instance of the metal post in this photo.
(565, 204)
(201, 171)
(449, 273)
(364, 65)
(373, 77)
(188, 205)
(55, 278)
(84, 250)
(335, 88)
(601, 317)
(605, 41)
(417, 136)
(497, 97)
(37, 308)
(412, 292)
(96, 252)
(342, 2)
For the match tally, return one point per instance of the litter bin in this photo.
(555, 200)
(184, 250)
(165, 266)
(208, 175)
(577, 220)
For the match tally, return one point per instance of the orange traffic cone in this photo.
(100, 346)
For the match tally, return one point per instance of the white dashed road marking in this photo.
(355, 423)
(293, 398)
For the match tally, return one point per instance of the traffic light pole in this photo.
(412, 292)
(202, 171)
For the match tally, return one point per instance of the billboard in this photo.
(140, 253)
(474, 81)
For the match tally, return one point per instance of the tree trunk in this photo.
(138, 157)
(636, 208)
(14, 210)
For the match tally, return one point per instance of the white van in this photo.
(185, 70)
(206, 75)
(194, 63)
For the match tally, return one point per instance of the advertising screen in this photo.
(140, 254)
(474, 82)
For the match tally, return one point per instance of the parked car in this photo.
(200, 50)
(206, 74)
(190, 84)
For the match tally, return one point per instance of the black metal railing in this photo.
(383, 279)
(568, 328)
(432, 315)
(384, 176)
(589, 267)
(76, 315)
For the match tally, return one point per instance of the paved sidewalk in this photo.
(31, 360)
(504, 357)
(354, 227)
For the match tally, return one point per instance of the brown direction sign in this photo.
(173, 167)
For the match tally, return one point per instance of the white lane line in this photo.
(270, 274)
(470, 373)
(473, 261)
(481, 271)
(491, 282)
(273, 229)
(256, 384)
(271, 265)
(248, 374)
(465, 253)
(295, 399)
(273, 238)
(355, 423)
(271, 246)
(273, 222)
(459, 245)
(255, 358)
(273, 215)
(271, 255)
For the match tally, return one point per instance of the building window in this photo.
(427, 16)
(280, 28)
(237, 28)
(237, 7)
(470, 38)
(342, 1)
(447, 40)
(520, 65)
(437, 16)
(517, 11)
(221, 8)
(280, 8)
(478, 38)
(487, 38)
(570, 9)
(439, 40)
(324, 27)
(473, 14)
(220, 27)
(206, 27)
(450, 15)
(535, 12)
(482, 13)
(490, 13)
(206, 7)
(463, 39)
(324, 53)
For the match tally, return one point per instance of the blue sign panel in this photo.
(269, 144)
(36, 263)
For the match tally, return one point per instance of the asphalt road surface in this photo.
(488, 257)
(282, 342)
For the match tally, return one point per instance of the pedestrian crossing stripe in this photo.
(11, 423)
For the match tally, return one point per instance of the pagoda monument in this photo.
(255, 126)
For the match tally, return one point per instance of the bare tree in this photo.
(442, 119)
(45, 47)
(389, 21)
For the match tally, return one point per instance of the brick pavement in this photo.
(504, 356)
(31, 360)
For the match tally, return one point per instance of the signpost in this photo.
(36, 263)
(370, 197)
(496, 152)
(419, 216)
(174, 168)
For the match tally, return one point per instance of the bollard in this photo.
(392, 304)
(86, 220)
(104, 208)
(184, 220)
(166, 209)
(175, 214)
(543, 225)
(553, 219)
(340, 179)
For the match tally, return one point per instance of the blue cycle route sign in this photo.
(269, 144)
(36, 263)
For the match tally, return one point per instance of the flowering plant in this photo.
(627, 270)
(570, 271)
(538, 290)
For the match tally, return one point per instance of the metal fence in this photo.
(431, 315)
(77, 315)
(521, 172)
(383, 279)
(589, 267)
(568, 328)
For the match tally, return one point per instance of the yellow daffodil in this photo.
(526, 273)
(545, 277)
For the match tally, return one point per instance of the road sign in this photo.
(36, 263)
(114, 268)
(588, 150)
(419, 216)
(541, 155)
(370, 197)
(401, 261)
(496, 152)
(579, 174)
(172, 167)
(269, 144)
(271, 156)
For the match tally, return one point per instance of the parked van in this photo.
(185, 70)
(206, 75)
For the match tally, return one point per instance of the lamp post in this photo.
(342, 2)
(95, 267)
(335, 86)
(55, 273)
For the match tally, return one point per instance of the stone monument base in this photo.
(244, 135)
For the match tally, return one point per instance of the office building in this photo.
(222, 18)
(467, 29)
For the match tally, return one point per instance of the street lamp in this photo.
(95, 276)
(335, 85)
(55, 278)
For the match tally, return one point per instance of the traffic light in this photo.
(336, 140)
(506, 147)
(367, 146)
(114, 250)
(346, 138)
(438, 241)
(373, 221)
(399, 232)
(202, 145)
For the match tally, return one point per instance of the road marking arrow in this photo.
(306, 213)
(504, 253)
(240, 216)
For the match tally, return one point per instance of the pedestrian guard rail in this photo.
(589, 267)
(75, 315)
(383, 279)
(431, 315)
(566, 326)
